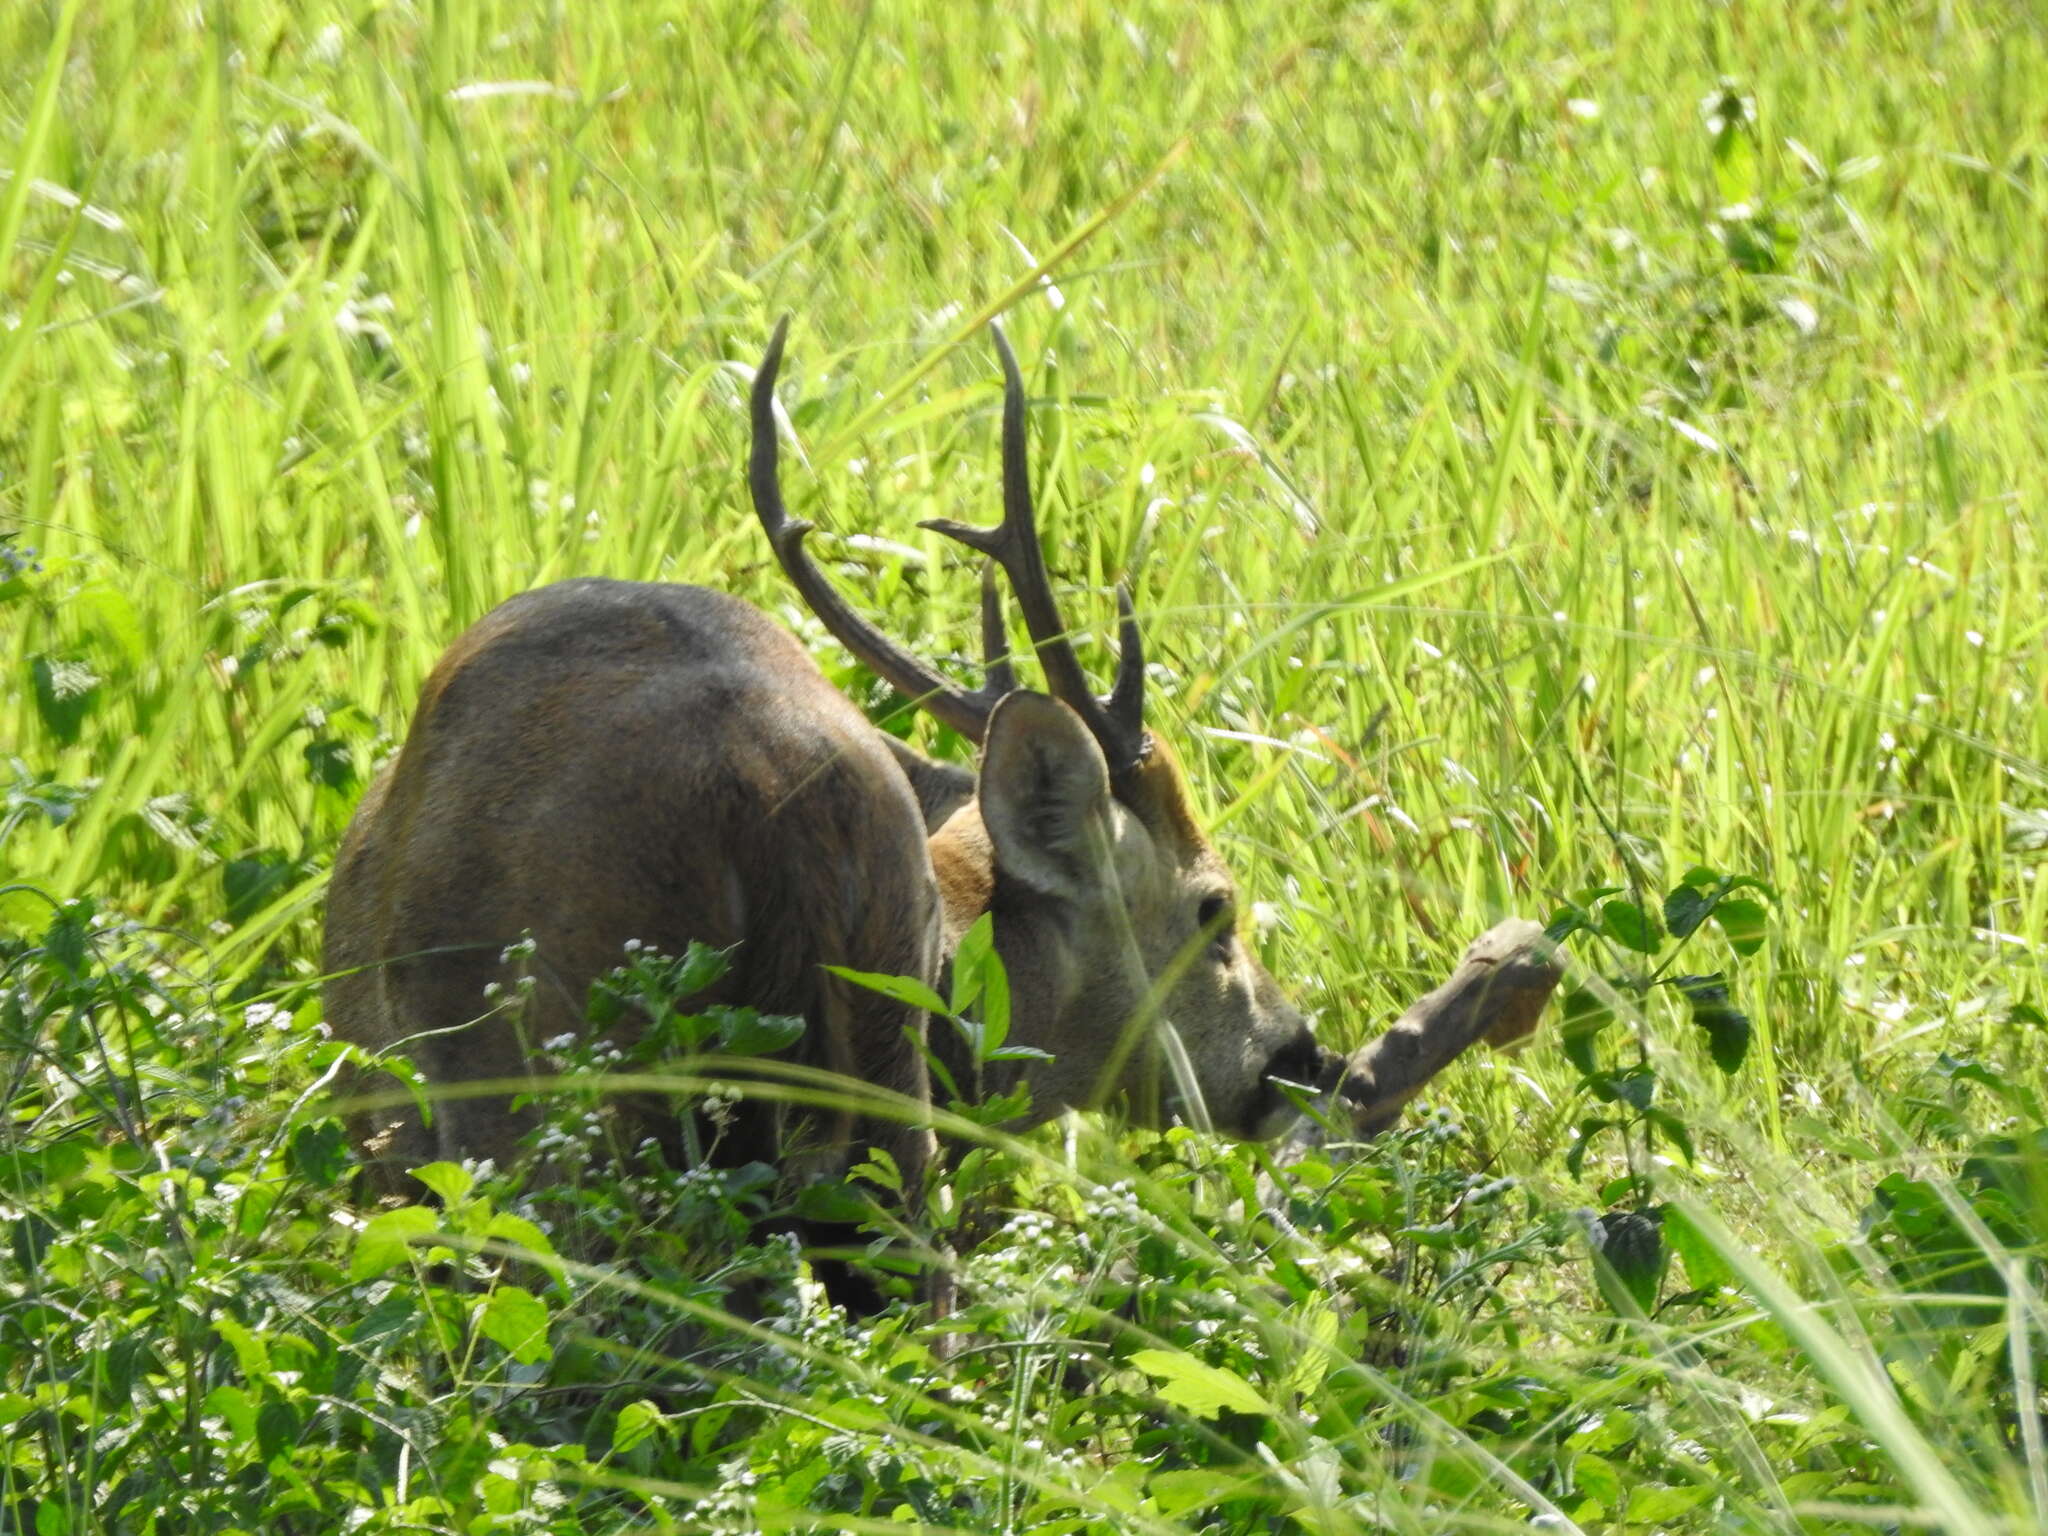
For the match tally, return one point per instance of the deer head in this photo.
(1114, 916)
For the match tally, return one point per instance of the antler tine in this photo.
(965, 712)
(1126, 701)
(1000, 676)
(1117, 722)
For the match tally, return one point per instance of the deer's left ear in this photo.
(1044, 794)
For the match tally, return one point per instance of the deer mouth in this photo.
(1301, 1064)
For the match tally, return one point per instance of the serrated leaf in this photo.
(700, 966)
(65, 941)
(385, 1238)
(1636, 1087)
(904, 989)
(1728, 1028)
(1685, 909)
(1743, 922)
(1597, 1478)
(451, 1181)
(65, 691)
(516, 1320)
(1631, 1245)
(1201, 1389)
(1630, 926)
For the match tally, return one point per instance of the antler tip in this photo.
(988, 541)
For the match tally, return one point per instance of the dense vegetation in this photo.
(1572, 460)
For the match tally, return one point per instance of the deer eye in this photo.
(1214, 916)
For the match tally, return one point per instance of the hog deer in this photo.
(602, 761)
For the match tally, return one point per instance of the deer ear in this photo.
(1044, 793)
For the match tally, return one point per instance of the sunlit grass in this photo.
(1547, 443)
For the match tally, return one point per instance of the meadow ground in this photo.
(1570, 459)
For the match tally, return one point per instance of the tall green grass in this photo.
(1552, 447)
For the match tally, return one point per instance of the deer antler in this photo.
(965, 712)
(1118, 720)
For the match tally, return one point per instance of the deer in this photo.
(601, 761)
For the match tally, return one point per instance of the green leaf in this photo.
(1586, 1014)
(516, 1320)
(1628, 925)
(233, 1407)
(451, 1181)
(65, 941)
(65, 691)
(1704, 1266)
(743, 1032)
(329, 763)
(521, 1233)
(318, 1153)
(1653, 1504)
(1743, 922)
(1017, 1053)
(385, 1238)
(1636, 1087)
(1183, 1490)
(250, 884)
(1596, 1478)
(1675, 1130)
(107, 611)
(1631, 1246)
(830, 1201)
(1685, 909)
(976, 945)
(1728, 1027)
(1201, 1389)
(700, 966)
(277, 1428)
(995, 1009)
(880, 1169)
(1575, 1154)
(636, 1424)
(252, 1354)
(904, 989)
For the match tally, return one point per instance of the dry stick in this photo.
(1496, 994)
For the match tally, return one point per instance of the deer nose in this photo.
(1303, 1060)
